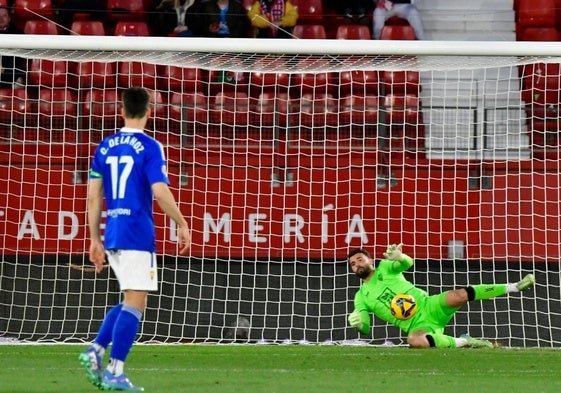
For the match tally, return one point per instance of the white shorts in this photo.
(136, 270)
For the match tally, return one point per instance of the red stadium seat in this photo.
(15, 107)
(96, 74)
(358, 111)
(315, 111)
(405, 120)
(230, 109)
(58, 115)
(538, 13)
(353, 32)
(538, 79)
(309, 31)
(222, 80)
(102, 112)
(137, 73)
(539, 34)
(48, 73)
(57, 108)
(306, 82)
(25, 10)
(262, 81)
(268, 110)
(117, 10)
(358, 82)
(407, 82)
(309, 11)
(182, 79)
(189, 110)
(398, 32)
(132, 28)
(87, 27)
(45, 27)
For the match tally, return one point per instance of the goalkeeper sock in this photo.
(441, 340)
(106, 330)
(488, 291)
(124, 332)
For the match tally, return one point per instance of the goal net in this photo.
(284, 155)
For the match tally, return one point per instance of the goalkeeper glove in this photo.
(355, 319)
(393, 253)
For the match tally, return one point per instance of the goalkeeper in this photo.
(426, 327)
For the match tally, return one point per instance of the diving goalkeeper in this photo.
(426, 327)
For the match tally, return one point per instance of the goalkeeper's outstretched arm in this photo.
(360, 320)
(401, 261)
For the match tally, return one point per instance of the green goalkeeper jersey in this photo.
(387, 281)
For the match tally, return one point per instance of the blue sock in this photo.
(124, 332)
(106, 330)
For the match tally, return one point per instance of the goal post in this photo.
(284, 155)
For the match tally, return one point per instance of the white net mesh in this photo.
(287, 154)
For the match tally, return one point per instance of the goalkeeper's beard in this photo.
(364, 272)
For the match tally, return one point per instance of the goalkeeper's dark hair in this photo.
(358, 251)
(135, 101)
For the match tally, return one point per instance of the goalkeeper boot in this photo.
(92, 362)
(528, 281)
(121, 383)
(476, 343)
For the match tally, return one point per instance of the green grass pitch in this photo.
(290, 369)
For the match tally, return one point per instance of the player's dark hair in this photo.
(136, 102)
(358, 251)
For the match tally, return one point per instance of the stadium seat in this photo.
(309, 11)
(188, 110)
(87, 27)
(45, 27)
(359, 110)
(263, 81)
(24, 10)
(182, 79)
(397, 32)
(407, 82)
(309, 31)
(95, 74)
(353, 32)
(222, 80)
(307, 82)
(159, 116)
(48, 73)
(102, 112)
(538, 79)
(58, 115)
(230, 108)
(268, 110)
(539, 13)
(132, 28)
(358, 82)
(315, 111)
(118, 10)
(15, 108)
(539, 34)
(405, 120)
(136, 73)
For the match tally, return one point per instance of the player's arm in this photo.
(401, 261)
(359, 318)
(95, 200)
(167, 203)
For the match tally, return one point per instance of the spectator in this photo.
(223, 18)
(94, 9)
(273, 18)
(175, 18)
(13, 68)
(354, 11)
(405, 9)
